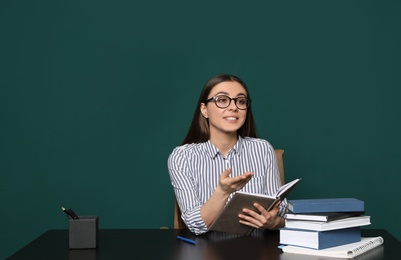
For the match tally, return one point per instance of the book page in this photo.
(283, 191)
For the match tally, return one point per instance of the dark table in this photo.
(163, 244)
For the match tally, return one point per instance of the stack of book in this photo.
(319, 224)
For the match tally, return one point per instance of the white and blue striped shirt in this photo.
(195, 170)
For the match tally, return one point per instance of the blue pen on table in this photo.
(186, 240)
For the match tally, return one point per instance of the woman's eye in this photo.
(241, 101)
(222, 100)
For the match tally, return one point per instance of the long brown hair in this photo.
(199, 130)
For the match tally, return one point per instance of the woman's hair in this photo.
(199, 130)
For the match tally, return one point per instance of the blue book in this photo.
(319, 239)
(326, 205)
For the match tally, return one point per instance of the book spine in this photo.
(338, 237)
(322, 239)
(322, 207)
(326, 226)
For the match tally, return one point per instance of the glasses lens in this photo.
(242, 102)
(222, 101)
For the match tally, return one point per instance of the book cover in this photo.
(345, 251)
(327, 216)
(326, 205)
(330, 225)
(319, 239)
(227, 220)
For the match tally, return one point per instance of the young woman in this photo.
(221, 155)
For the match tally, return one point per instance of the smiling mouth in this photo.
(231, 118)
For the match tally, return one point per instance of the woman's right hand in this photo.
(231, 184)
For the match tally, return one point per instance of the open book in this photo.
(227, 220)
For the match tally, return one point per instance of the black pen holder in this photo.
(84, 232)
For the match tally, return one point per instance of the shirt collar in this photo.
(213, 151)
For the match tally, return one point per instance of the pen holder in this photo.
(84, 232)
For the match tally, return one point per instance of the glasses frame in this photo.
(214, 98)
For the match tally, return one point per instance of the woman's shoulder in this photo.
(187, 148)
(254, 141)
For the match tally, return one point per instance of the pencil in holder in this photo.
(84, 232)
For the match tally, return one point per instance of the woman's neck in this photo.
(224, 142)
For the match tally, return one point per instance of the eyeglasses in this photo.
(223, 101)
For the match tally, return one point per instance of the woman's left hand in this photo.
(262, 219)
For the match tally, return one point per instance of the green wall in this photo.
(95, 94)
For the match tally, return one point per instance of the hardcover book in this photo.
(330, 225)
(319, 239)
(327, 216)
(326, 205)
(227, 220)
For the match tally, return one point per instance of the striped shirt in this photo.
(195, 170)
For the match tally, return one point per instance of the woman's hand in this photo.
(231, 184)
(211, 209)
(262, 219)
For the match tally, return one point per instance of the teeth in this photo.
(231, 118)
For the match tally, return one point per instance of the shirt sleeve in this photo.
(185, 191)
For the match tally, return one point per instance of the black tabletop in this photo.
(163, 244)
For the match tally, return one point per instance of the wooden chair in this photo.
(280, 164)
(179, 224)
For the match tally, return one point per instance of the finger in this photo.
(261, 217)
(264, 214)
(239, 184)
(242, 178)
(250, 220)
(247, 175)
(251, 213)
(274, 211)
(259, 207)
(249, 223)
(277, 204)
(244, 181)
(226, 173)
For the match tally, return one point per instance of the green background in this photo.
(95, 95)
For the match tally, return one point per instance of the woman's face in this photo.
(225, 120)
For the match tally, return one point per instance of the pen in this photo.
(66, 212)
(186, 240)
(72, 214)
